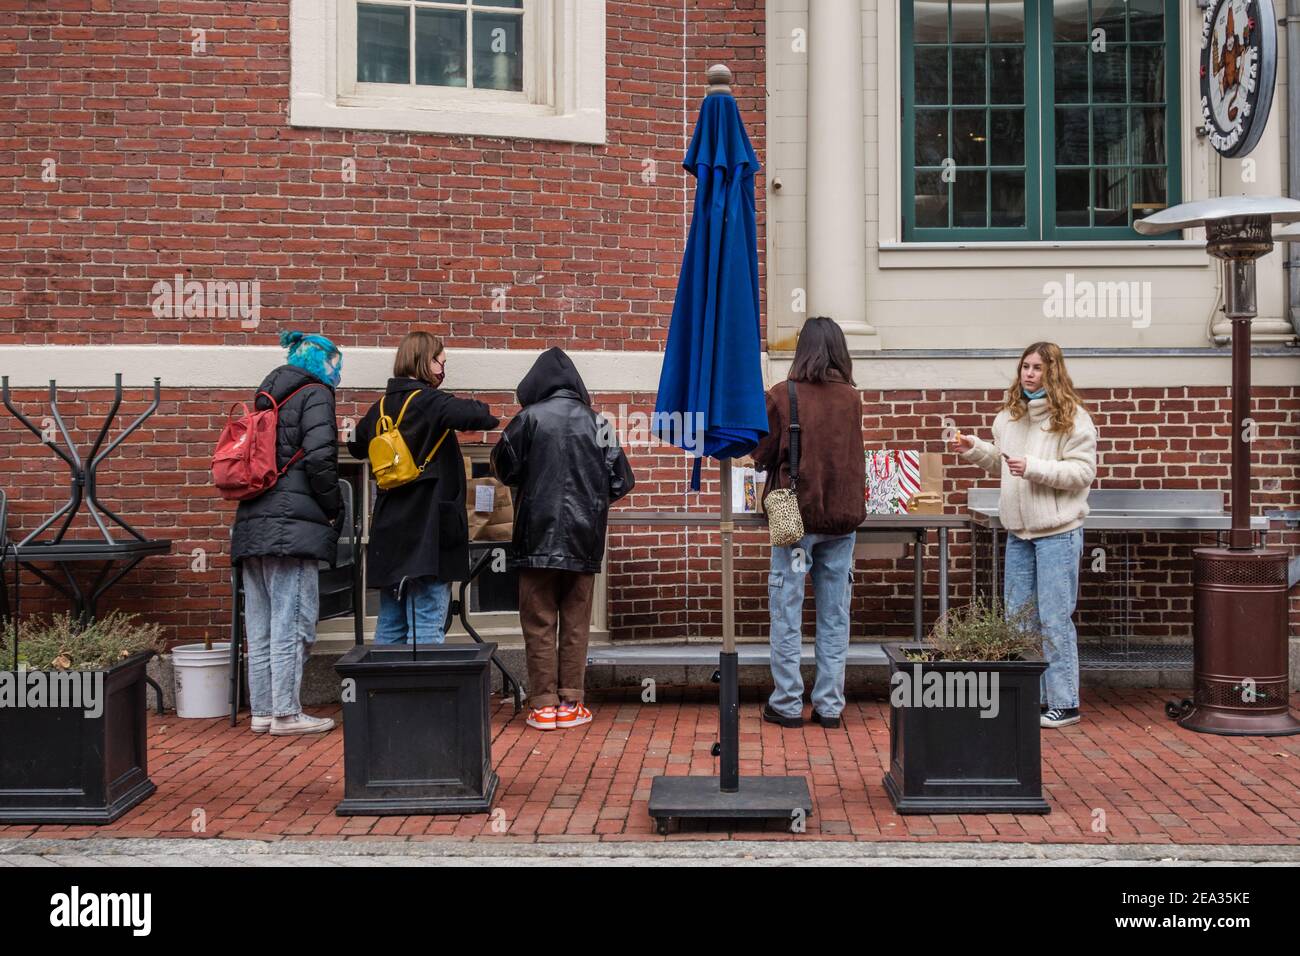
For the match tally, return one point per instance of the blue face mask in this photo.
(1041, 393)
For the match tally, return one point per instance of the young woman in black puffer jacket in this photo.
(280, 536)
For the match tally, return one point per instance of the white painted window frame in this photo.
(538, 40)
(563, 99)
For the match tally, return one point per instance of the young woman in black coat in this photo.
(419, 535)
(280, 536)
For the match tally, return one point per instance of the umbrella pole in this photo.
(729, 678)
(722, 797)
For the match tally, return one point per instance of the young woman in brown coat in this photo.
(831, 486)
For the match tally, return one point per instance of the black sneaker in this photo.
(830, 723)
(772, 717)
(1060, 717)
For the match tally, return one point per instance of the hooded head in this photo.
(315, 355)
(552, 371)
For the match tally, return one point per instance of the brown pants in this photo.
(548, 597)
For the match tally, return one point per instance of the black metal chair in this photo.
(483, 553)
(4, 556)
(341, 593)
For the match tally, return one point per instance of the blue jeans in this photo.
(1046, 571)
(421, 611)
(281, 604)
(830, 558)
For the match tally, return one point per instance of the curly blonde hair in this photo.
(1062, 398)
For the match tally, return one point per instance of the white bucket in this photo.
(202, 680)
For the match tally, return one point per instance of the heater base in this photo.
(1240, 683)
(1208, 720)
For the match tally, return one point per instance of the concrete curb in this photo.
(213, 850)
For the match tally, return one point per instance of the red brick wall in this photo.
(171, 161)
(664, 581)
(1149, 438)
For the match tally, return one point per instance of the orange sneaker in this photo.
(543, 718)
(572, 715)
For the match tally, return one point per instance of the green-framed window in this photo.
(1038, 119)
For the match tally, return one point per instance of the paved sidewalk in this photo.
(1126, 775)
(100, 852)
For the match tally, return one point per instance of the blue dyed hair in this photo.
(312, 353)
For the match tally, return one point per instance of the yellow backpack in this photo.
(390, 460)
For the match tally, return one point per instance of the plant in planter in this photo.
(72, 718)
(963, 716)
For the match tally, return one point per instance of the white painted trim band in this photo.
(499, 370)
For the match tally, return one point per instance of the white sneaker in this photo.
(301, 724)
(261, 725)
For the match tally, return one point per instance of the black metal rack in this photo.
(83, 489)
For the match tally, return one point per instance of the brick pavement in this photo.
(1126, 775)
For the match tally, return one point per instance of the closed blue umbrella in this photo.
(711, 402)
(710, 398)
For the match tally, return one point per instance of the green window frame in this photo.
(1089, 131)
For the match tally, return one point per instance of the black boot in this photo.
(772, 717)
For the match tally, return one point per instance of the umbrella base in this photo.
(758, 798)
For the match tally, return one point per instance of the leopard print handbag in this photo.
(784, 522)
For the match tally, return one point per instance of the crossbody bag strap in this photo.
(794, 436)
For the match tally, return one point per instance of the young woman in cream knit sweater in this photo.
(1044, 449)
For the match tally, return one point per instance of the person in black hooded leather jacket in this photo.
(566, 466)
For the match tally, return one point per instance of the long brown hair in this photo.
(821, 353)
(1062, 398)
(414, 356)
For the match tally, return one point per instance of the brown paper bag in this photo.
(496, 524)
(929, 500)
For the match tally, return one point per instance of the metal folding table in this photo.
(1115, 514)
(884, 529)
(83, 490)
(106, 551)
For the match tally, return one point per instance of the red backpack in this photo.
(243, 466)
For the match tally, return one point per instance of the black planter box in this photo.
(58, 765)
(949, 759)
(416, 732)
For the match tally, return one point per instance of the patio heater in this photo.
(1239, 644)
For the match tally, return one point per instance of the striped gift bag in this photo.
(893, 479)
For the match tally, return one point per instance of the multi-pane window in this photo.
(468, 44)
(1034, 119)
